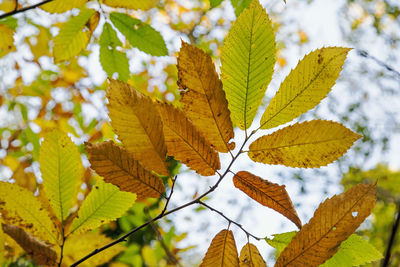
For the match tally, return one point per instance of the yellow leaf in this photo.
(268, 194)
(186, 143)
(249, 256)
(149, 256)
(25, 179)
(305, 86)
(41, 46)
(203, 99)
(7, 6)
(20, 207)
(79, 245)
(222, 251)
(62, 171)
(2, 245)
(138, 125)
(333, 222)
(94, 21)
(309, 144)
(118, 167)
(6, 40)
(40, 252)
(132, 4)
(61, 6)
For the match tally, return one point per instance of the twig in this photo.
(365, 54)
(386, 260)
(229, 220)
(16, 11)
(170, 195)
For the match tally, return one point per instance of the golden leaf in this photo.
(222, 251)
(40, 252)
(309, 144)
(249, 256)
(271, 195)
(132, 4)
(203, 99)
(61, 6)
(118, 167)
(186, 143)
(6, 40)
(138, 125)
(93, 21)
(333, 222)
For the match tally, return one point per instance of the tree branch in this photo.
(16, 11)
(365, 54)
(392, 238)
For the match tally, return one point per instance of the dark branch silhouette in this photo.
(16, 10)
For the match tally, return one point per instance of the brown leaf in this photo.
(118, 167)
(268, 194)
(40, 252)
(222, 251)
(249, 256)
(333, 222)
(203, 99)
(138, 125)
(186, 143)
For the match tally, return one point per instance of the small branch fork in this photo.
(16, 10)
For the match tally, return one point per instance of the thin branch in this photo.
(365, 54)
(386, 260)
(170, 195)
(230, 220)
(16, 11)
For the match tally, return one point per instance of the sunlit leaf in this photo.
(280, 241)
(203, 99)
(132, 4)
(140, 34)
(41, 45)
(240, 5)
(309, 144)
(138, 125)
(62, 171)
(222, 251)
(118, 167)
(333, 222)
(250, 257)
(6, 40)
(60, 6)
(215, 3)
(186, 143)
(268, 194)
(305, 86)
(25, 179)
(248, 59)
(93, 21)
(103, 204)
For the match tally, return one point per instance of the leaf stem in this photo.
(16, 11)
(392, 238)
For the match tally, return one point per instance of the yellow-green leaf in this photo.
(132, 4)
(18, 206)
(104, 203)
(248, 59)
(222, 251)
(203, 99)
(62, 171)
(186, 143)
(305, 86)
(118, 167)
(138, 125)
(250, 257)
(309, 144)
(333, 222)
(73, 38)
(6, 40)
(60, 6)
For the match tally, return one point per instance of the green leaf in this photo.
(240, 5)
(248, 59)
(280, 241)
(111, 59)
(104, 203)
(139, 34)
(72, 39)
(10, 22)
(62, 171)
(305, 86)
(215, 3)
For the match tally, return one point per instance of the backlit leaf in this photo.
(309, 144)
(6, 40)
(250, 257)
(62, 171)
(132, 4)
(222, 251)
(18, 206)
(140, 34)
(72, 38)
(40, 252)
(280, 241)
(305, 86)
(111, 59)
(333, 222)
(215, 3)
(248, 59)
(240, 5)
(60, 6)
(268, 194)
(103, 204)
(118, 167)
(93, 22)
(203, 99)
(138, 125)
(186, 143)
